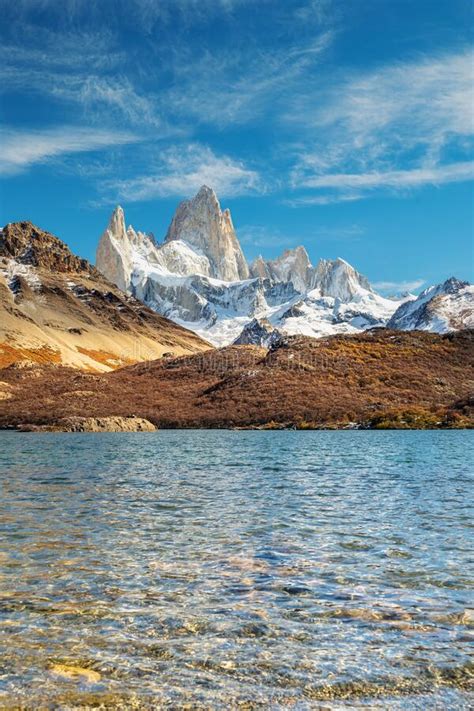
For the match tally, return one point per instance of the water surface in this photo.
(220, 569)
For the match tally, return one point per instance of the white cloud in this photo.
(46, 49)
(261, 236)
(21, 149)
(100, 98)
(455, 172)
(399, 287)
(308, 200)
(182, 170)
(85, 69)
(116, 96)
(402, 126)
(313, 10)
(420, 102)
(339, 232)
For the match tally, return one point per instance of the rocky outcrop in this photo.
(114, 256)
(30, 246)
(259, 268)
(94, 424)
(201, 223)
(259, 332)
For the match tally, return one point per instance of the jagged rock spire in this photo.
(116, 224)
(201, 223)
(114, 253)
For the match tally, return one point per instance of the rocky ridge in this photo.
(93, 424)
(30, 246)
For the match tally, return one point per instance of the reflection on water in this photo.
(209, 569)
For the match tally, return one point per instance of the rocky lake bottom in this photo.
(236, 569)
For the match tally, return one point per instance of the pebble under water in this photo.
(236, 569)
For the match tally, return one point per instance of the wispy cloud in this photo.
(20, 149)
(403, 126)
(309, 200)
(262, 236)
(339, 232)
(161, 91)
(239, 86)
(81, 69)
(182, 170)
(399, 287)
(439, 175)
(99, 98)
(309, 10)
(117, 96)
(144, 14)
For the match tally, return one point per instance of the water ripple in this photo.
(236, 570)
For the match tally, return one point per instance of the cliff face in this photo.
(114, 252)
(201, 223)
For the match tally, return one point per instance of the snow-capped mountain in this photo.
(442, 308)
(199, 278)
(293, 265)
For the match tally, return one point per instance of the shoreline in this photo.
(53, 429)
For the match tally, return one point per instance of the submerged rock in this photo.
(75, 672)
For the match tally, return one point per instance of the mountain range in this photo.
(199, 277)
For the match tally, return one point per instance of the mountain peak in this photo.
(117, 223)
(206, 192)
(202, 224)
(339, 279)
(293, 265)
(114, 252)
(453, 285)
(443, 307)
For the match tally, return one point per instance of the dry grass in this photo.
(111, 360)
(379, 379)
(13, 354)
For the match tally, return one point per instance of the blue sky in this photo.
(345, 126)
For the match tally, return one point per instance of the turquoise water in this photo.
(224, 569)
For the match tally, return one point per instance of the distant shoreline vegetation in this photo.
(375, 380)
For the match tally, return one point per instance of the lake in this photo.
(236, 569)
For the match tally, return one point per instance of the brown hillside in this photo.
(57, 308)
(379, 378)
